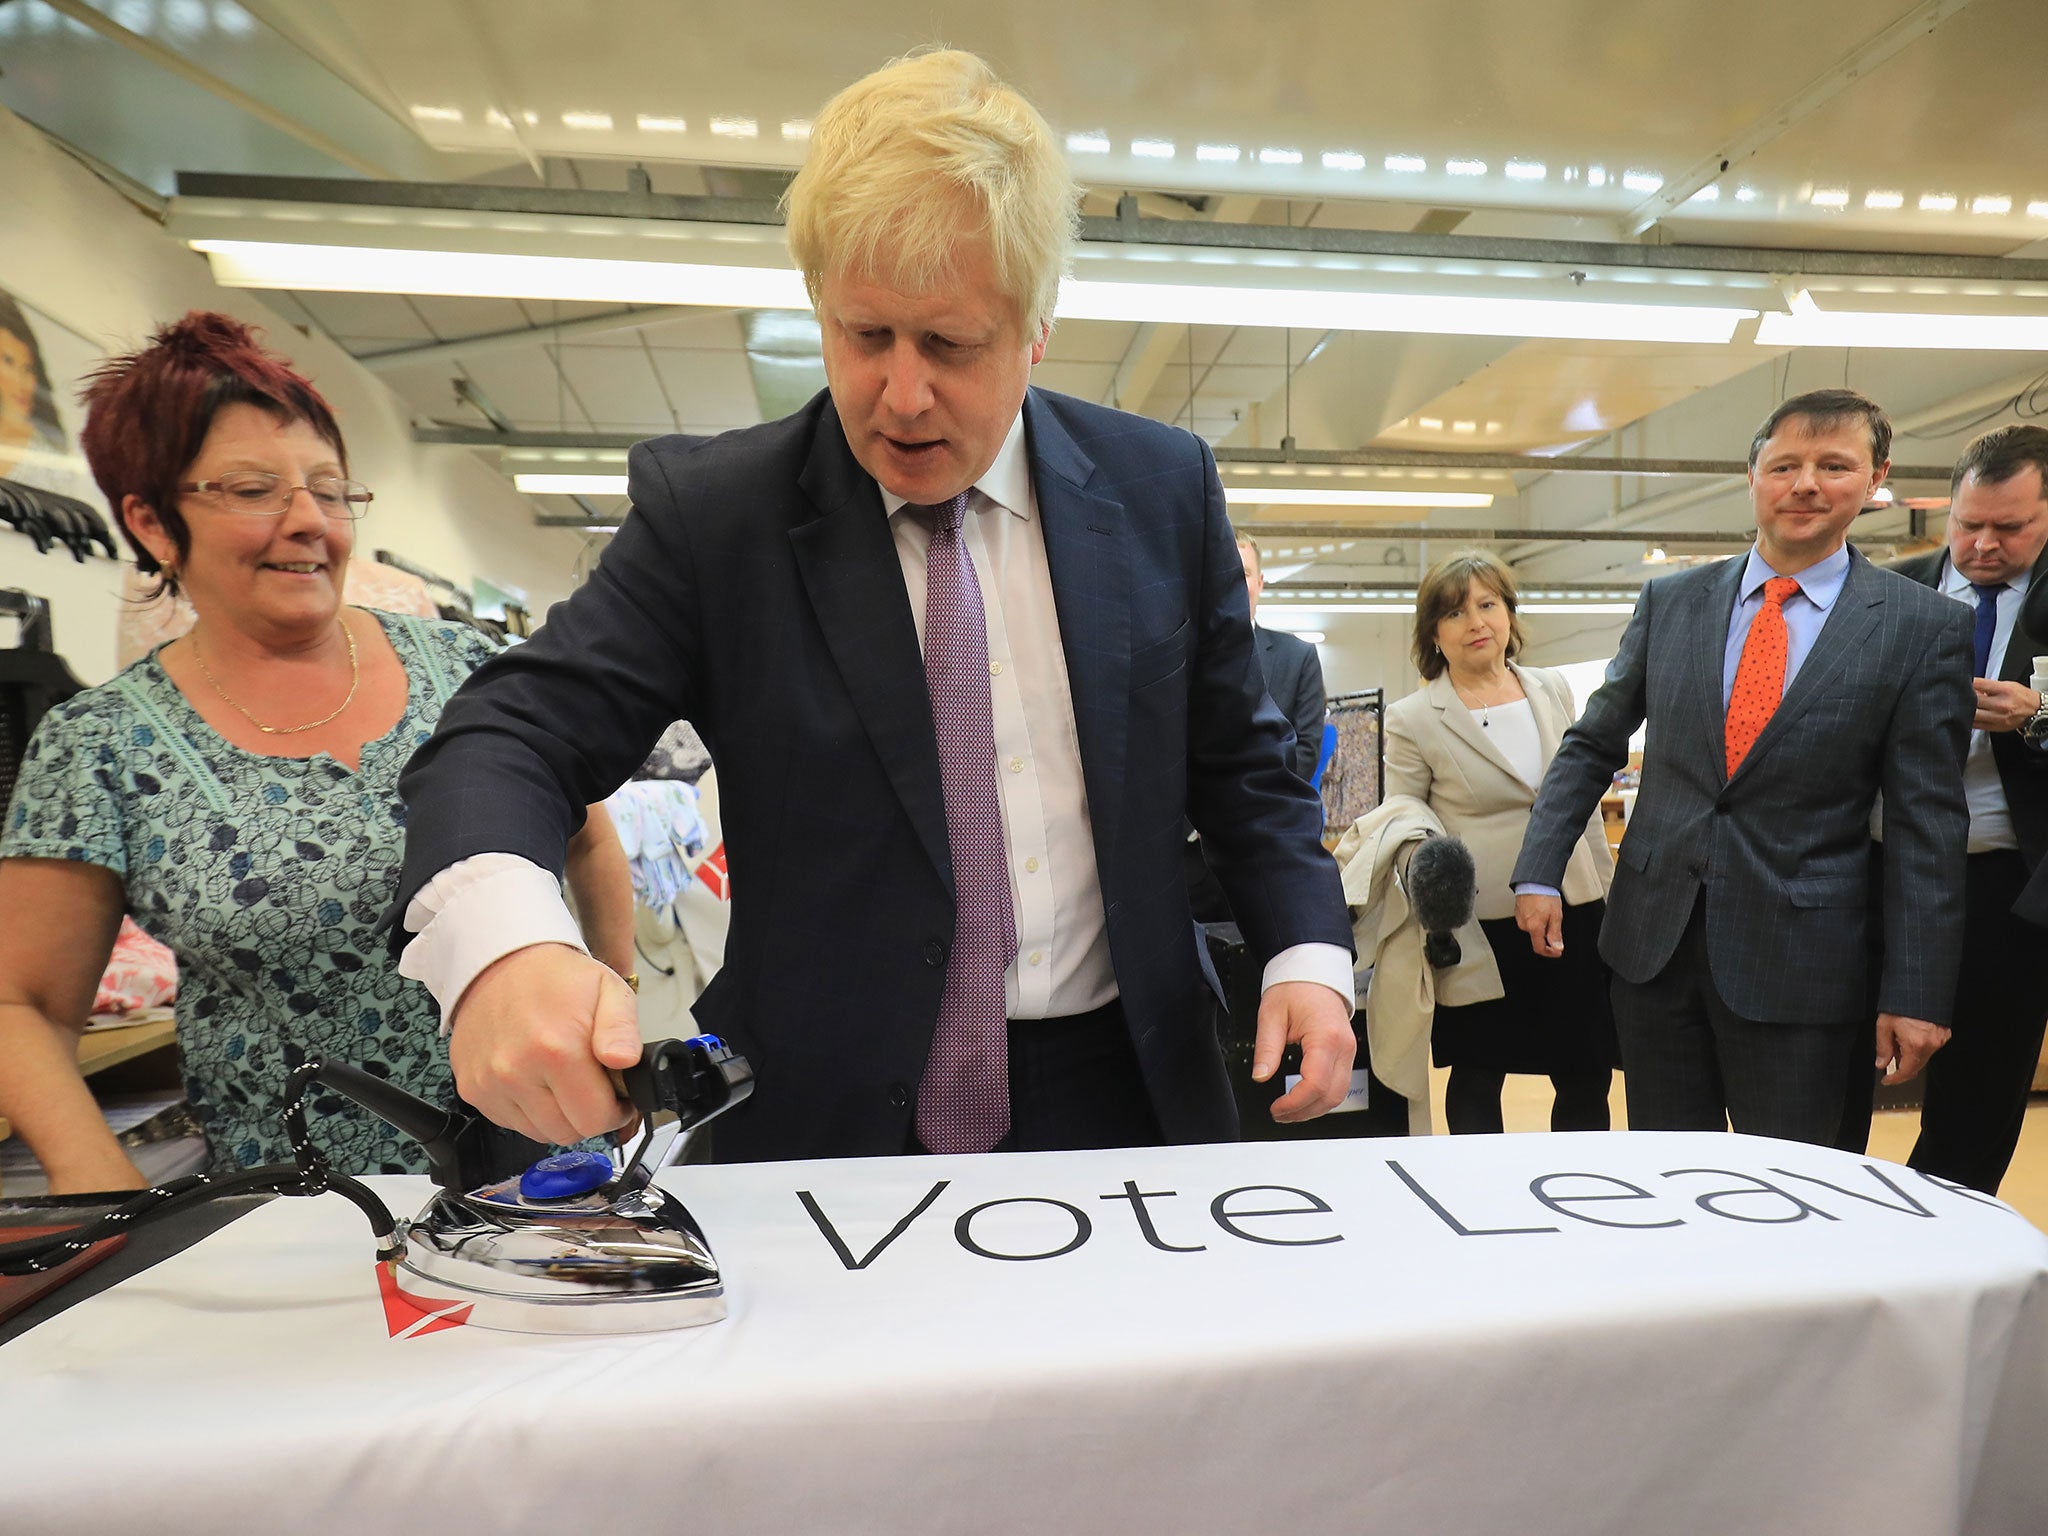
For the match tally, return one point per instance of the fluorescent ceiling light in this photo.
(2037, 210)
(1745, 194)
(596, 120)
(1830, 197)
(1526, 170)
(1884, 199)
(571, 485)
(1224, 153)
(1279, 157)
(797, 128)
(1342, 160)
(735, 127)
(1087, 144)
(1152, 149)
(1641, 181)
(1937, 202)
(369, 269)
(1288, 496)
(1406, 163)
(1808, 325)
(1466, 167)
(1421, 314)
(1991, 205)
(437, 114)
(1710, 193)
(661, 124)
(372, 269)
(1596, 175)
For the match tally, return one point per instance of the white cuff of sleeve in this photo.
(1531, 888)
(476, 911)
(1327, 965)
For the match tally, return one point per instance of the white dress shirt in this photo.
(487, 906)
(1990, 819)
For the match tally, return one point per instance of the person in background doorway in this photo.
(1473, 744)
(1783, 693)
(236, 790)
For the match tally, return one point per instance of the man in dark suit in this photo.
(1293, 671)
(1294, 681)
(1784, 692)
(1977, 1085)
(957, 921)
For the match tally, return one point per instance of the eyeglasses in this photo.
(257, 493)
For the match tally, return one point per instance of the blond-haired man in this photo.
(965, 654)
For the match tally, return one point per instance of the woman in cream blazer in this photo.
(1473, 744)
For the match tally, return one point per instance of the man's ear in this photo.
(1882, 470)
(1038, 346)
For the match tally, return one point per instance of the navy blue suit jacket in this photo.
(755, 590)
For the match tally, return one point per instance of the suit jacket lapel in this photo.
(847, 559)
(1086, 552)
(1457, 720)
(1856, 613)
(1712, 606)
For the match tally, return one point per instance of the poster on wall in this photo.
(41, 367)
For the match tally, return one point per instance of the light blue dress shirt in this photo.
(1805, 612)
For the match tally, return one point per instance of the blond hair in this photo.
(928, 150)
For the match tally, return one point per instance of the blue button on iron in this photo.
(564, 1175)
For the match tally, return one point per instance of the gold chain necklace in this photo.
(355, 676)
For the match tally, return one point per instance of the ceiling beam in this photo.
(527, 335)
(1193, 233)
(177, 64)
(1519, 463)
(1852, 67)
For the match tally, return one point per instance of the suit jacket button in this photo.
(934, 952)
(899, 1096)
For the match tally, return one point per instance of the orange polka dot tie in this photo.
(1760, 675)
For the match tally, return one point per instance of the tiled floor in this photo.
(1525, 1106)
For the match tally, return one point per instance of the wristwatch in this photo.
(2035, 730)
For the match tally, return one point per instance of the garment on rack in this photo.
(31, 684)
(1352, 783)
(141, 973)
(680, 754)
(660, 830)
(48, 518)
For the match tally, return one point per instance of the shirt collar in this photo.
(1956, 584)
(1821, 582)
(1006, 482)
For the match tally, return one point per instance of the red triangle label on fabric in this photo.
(409, 1316)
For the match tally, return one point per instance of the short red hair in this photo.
(148, 413)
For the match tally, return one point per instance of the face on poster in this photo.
(41, 365)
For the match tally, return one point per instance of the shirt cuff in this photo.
(476, 911)
(1532, 888)
(1327, 965)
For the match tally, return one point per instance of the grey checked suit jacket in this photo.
(1882, 703)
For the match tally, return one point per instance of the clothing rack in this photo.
(48, 518)
(34, 613)
(33, 678)
(1356, 781)
(459, 596)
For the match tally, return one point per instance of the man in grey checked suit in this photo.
(1739, 928)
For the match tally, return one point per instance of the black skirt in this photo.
(1555, 1016)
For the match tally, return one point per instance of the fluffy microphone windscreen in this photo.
(1442, 884)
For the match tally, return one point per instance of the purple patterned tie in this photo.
(964, 1104)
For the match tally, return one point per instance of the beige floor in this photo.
(1525, 1106)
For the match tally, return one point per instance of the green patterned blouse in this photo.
(267, 876)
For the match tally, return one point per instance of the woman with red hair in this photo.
(236, 790)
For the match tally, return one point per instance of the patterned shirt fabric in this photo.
(267, 876)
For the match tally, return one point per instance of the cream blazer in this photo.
(1439, 754)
